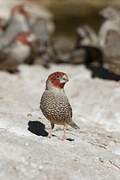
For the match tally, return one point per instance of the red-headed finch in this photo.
(16, 53)
(54, 102)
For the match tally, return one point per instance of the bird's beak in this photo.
(64, 79)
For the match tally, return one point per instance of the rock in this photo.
(94, 151)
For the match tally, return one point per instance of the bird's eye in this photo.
(57, 76)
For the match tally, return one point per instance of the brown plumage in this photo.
(54, 102)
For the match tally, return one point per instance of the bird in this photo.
(86, 48)
(86, 36)
(111, 23)
(16, 53)
(39, 12)
(17, 23)
(112, 52)
(109, 36)
(54, 103)
(41, 45)
(40, 29)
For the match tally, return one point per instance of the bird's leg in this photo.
(50, 130)
(64, 132)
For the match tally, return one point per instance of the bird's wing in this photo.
(40, 29)
(112, 44)
(13, 28)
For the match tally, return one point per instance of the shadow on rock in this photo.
(70, 139)
(38, 128)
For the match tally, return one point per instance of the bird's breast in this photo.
(55, 106)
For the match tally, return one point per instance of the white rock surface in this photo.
(94, 153)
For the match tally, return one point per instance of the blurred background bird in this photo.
(18, 19)
(18, 52)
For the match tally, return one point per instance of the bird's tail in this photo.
(73, 125)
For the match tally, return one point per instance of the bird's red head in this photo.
(57, 79)
(21, 10)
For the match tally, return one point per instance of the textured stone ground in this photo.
(91, 153)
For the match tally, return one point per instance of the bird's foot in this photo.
(49, 136)
(50, 133)
(63, 138)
